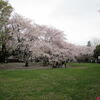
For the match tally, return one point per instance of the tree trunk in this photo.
(26, 64)
(3, 53)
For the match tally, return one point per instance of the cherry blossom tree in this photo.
(47, 44)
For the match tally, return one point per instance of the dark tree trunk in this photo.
(26, 64)
(3, 53)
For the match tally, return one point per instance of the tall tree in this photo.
(5, 12)
(97, 53)
(89, 43)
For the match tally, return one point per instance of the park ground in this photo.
(78, 82)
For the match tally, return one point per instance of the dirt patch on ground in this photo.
(32, 66)
(21, 66)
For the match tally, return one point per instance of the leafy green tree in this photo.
(5, 12)
(97, 52)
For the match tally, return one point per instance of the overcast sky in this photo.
(79, 19)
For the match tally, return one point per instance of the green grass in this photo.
(76, 83)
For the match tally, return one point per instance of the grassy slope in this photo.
(75, 83)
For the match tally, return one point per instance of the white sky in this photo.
(79, 19)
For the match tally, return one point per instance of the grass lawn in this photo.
(81, 82)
